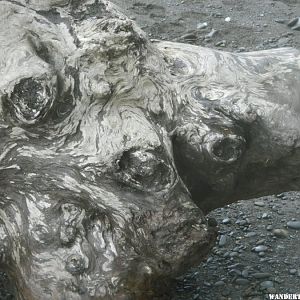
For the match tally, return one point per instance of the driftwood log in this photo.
(111, 145)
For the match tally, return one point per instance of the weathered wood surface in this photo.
(108, 142)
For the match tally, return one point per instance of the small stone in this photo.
(220, 283)
(280, 21)
(226, 293)
(265, 216)
(267, 284)
(259, 203)
(221, 43)
(262, 254)
(228, 19)
(207, 284)
(189, 36)
(251, 234)
(234, 266)
(235, 272)
(269, 227)
(293, 271)
(260, 242)
(226, 221)
(261, 275)
(294, 224)
(295, 23)
(226, 254)
(243, 223)
(242, 281)
(280, 233)
(202, 25)
(223, 240)
(211, 34)
(210, 259)
(260, 248)
(245, 273)
(233, 254)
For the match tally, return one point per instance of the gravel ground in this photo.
(239, 25)
(257, 252)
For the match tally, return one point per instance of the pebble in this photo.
(189, 36)
(242, 281)
(210, 259)
(269, 227)
(281, 194)
(295, 23)
(211, 34)
(226, 221)
(260, 242)
(294, 224)
(259, 203)
(293, 271)
(260, 248)
(245, 273)
(262, 254)
(234, 266)
(226, 293)
(220, 283)
(261, 275)
(251, 234)
(202, 25)
(223, 240)
(221, 43)
(228, 19)
(226, 254)
(267, 284)
(233, 254)
(280, 233)
(235, 272)
(243, 223)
